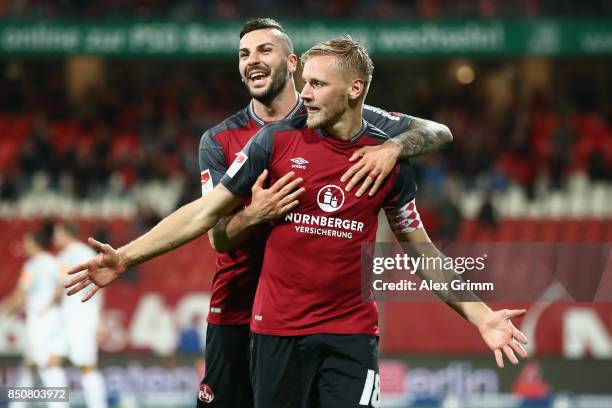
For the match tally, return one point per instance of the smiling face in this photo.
(326, 91)
(265, 63)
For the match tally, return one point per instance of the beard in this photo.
(278, 79)
(325, 117)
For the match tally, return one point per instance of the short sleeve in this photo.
(392, 123)
(212, 162)
(25, 279)
(249, 163)
(400, 204)
(60, 275)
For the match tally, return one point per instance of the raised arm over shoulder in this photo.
(423, 136)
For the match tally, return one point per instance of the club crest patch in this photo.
(206, 394)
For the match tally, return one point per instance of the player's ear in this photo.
(292, 63)
(356, 89)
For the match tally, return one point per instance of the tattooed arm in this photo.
(422, 136)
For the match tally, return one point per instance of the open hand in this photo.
(500, 335)
(100, 270)
(276, 201)
(375, 165)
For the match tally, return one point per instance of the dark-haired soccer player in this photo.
(315, 341)
(81, 320)
(39, 289)
(267, 64)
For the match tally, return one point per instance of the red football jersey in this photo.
(237, 271)
(310, 280)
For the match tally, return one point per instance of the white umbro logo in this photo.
(299, 163)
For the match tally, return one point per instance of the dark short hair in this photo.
(43, 236)
(71, 227)
(255, 24)
(260, 24)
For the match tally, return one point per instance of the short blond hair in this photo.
(350, 55)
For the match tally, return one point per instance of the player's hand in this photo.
(375, 165)
(500, 335)
(276, 201)
(100, 270)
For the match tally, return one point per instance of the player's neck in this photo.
(69, 242)
(279, 107)
(35, 252)
(347, 126)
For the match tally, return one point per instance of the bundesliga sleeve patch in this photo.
(408, 218)
(207, 183)
(239, 161)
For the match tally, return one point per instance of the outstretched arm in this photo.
(183, 225)
(180, 227)
(495, 327)
(266, 205)
(16, 299)
(376, 162)
(13, 302)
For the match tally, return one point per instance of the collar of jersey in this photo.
(261, 122)
(362, 131)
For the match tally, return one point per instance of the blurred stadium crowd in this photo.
(190, 9)
(143, 129)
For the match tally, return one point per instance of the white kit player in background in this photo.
(80, 319)
(40, 290)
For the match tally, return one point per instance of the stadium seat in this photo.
(64, 134)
